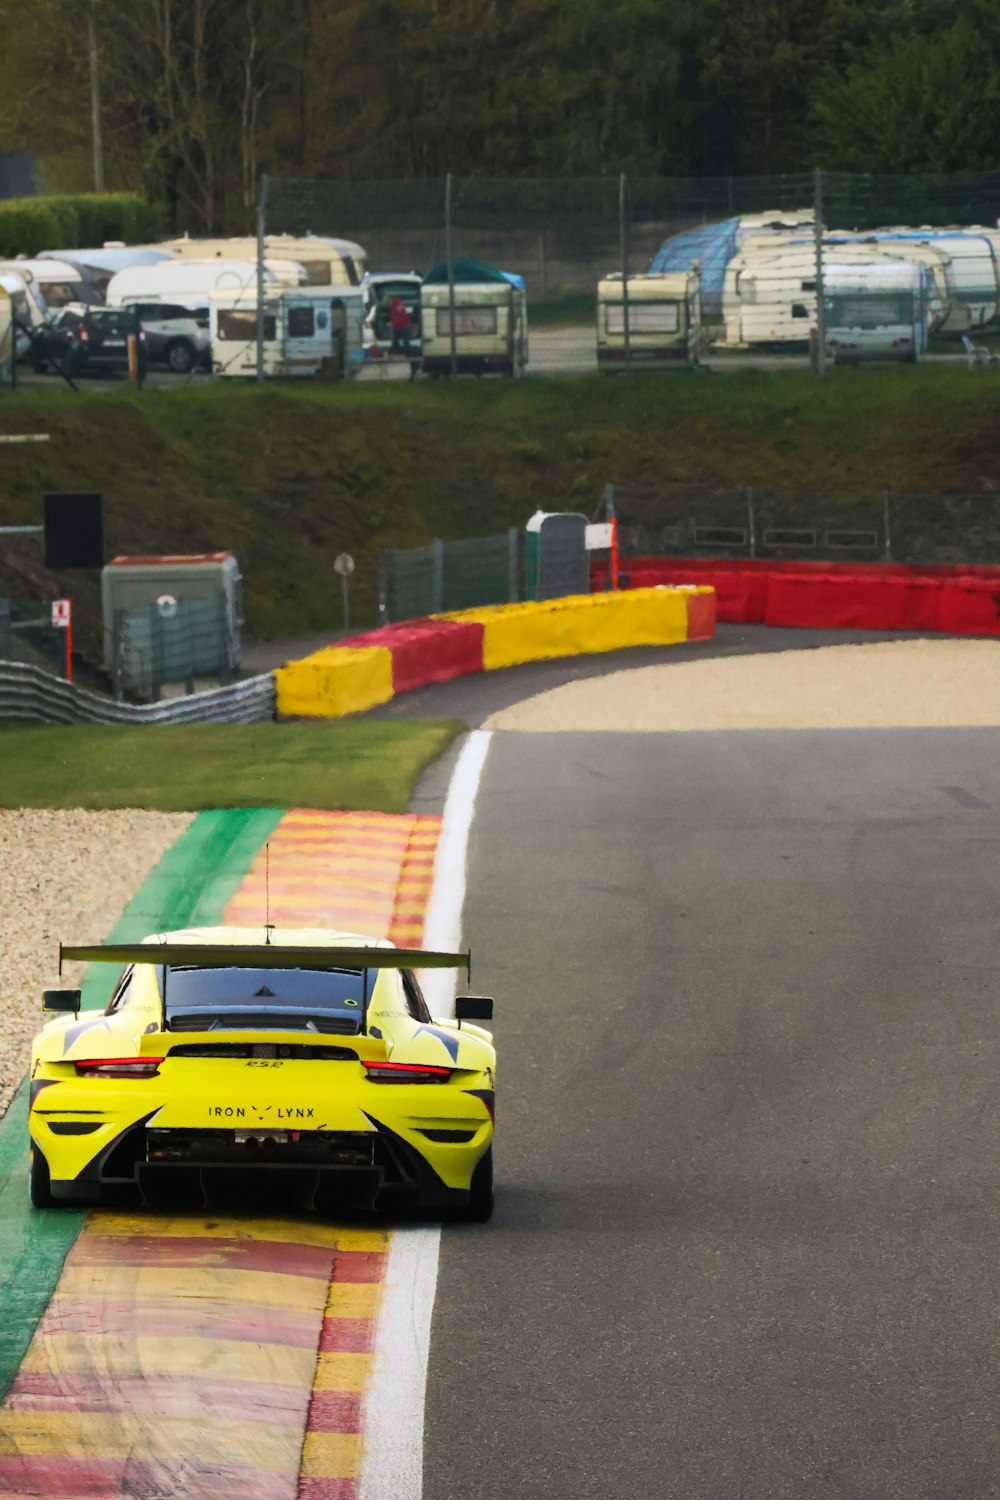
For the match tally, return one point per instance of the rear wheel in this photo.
(39, 1186)
(181, 357)
(479, 1209)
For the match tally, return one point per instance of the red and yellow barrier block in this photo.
(412, 654)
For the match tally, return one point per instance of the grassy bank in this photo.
(187, 767)
(290, 477)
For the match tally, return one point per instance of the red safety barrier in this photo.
(970, 607)
(426, 650)
(701, 617)
(957, 599)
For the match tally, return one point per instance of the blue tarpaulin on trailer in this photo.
(713, 246)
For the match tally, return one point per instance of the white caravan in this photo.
(491, 328)
(876, 311)
(307, 331)
(973, 267)
(187, 283)
(945, 312)
(327, 261)
(664, 321)
(6, 334)
(769, 294)
(97, 266)
(56, 280)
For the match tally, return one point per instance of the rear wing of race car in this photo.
(263, 956)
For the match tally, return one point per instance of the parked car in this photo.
(178, 337)
(80, 338)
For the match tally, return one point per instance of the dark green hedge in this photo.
(65, 221)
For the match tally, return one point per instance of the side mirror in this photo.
(61, 1000)
(473, 1008)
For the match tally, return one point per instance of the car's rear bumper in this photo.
(145, 1166)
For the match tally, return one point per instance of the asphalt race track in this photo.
(745, 1243)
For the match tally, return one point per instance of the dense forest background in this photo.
(199, 96)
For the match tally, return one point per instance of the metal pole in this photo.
(513, 556)
(820, 310)
(887, 526)
(345, 603)
(383, 588)
(261, 225)
(623, 253)
(95, 100)
(451, 272)
(751, 522)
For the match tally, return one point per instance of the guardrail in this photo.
(26, 692)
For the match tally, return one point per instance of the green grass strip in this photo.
(356, 764)
(190, 885)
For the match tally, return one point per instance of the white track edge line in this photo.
(393, 1431)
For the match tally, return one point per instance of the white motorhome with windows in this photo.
(664, 321)
(327, 261)
(307, 331)
(189, 282)
(876, 311)
(491, 328)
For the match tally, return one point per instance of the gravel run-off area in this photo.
(883, 684)
(64, 877)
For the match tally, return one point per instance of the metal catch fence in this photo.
(417, 581)
(27, 634)
(691, 520)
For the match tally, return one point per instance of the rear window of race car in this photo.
(199, 999)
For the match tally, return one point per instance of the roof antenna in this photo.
(268, 924)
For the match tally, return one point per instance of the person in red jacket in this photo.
(399, 322)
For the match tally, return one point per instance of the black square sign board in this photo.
(74, 532)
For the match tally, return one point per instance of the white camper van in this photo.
(491, 328)
(664, 321)
(187, 283)
(876, 311)
(327, 261)
(98, 266)
(303, 328)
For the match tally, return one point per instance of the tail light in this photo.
(119, 1067)
(400, 1072)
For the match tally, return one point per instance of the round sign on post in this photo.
(343, 564)
(166, 606)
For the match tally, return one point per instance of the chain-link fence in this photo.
(691, 520)
(417, 581)
(27, 634)
(151, 649)
(848, 267)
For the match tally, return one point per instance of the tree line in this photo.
(199, 96)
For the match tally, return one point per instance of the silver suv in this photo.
(178, 337)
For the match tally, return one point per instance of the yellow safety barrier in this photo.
(580, 624)
(335, 681)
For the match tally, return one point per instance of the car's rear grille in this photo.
(279, 1051)
(251, 1021)
(260, 1143)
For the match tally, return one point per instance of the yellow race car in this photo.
(305, 1067)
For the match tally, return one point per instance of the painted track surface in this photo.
(747, 1220)
(216, 1356)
